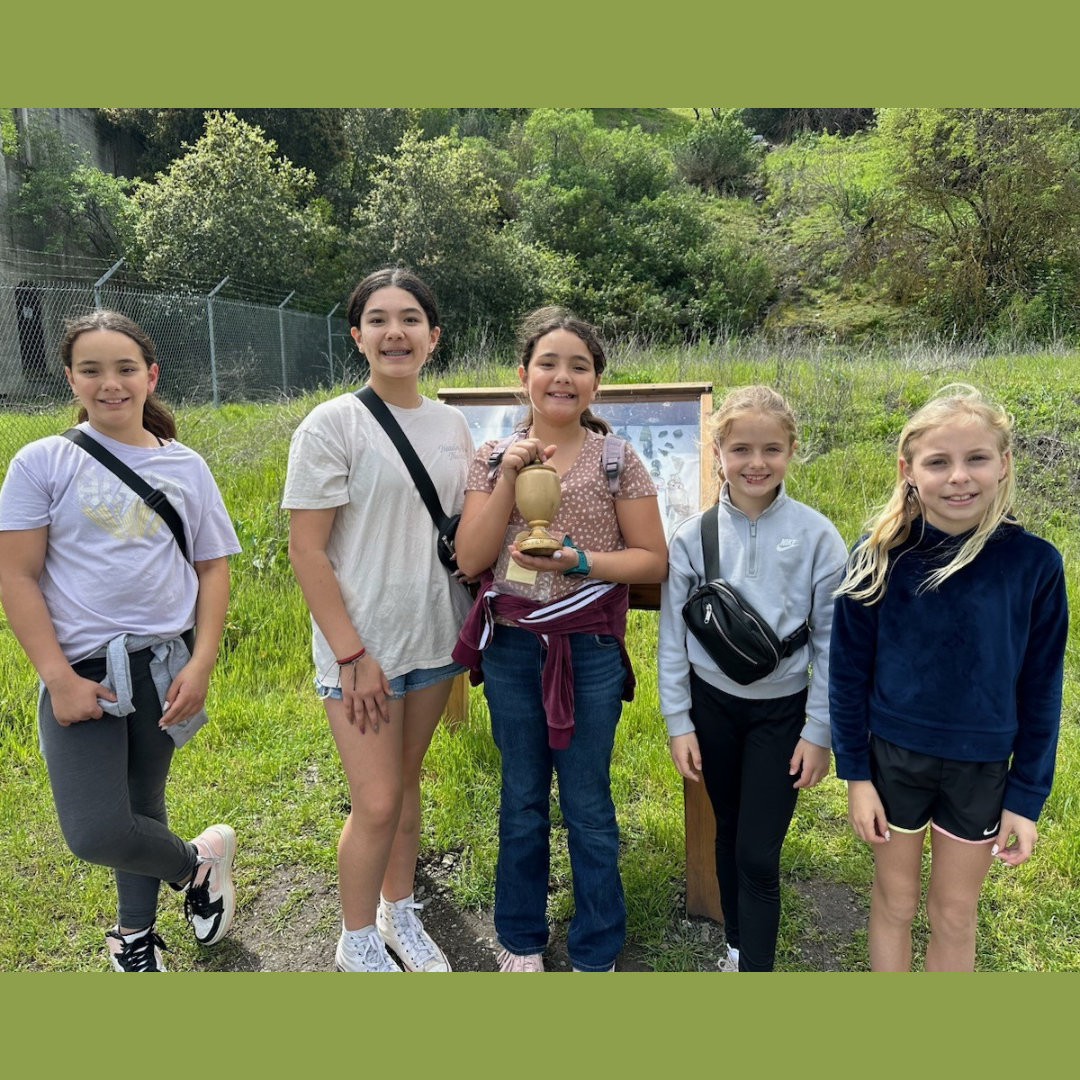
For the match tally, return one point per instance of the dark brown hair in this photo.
(157, 419)
(400, 278)
(545, 320)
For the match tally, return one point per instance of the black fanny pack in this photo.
(739, 641)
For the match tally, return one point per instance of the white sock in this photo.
(364, 930)
(135, 935)
(733, 955)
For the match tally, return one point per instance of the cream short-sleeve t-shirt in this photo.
(401, 599)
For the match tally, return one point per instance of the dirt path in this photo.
(292, 925)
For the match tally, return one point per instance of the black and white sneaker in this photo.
(209, 898)
(140, 951)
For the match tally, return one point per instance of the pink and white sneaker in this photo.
(509, 961)
(209, 897)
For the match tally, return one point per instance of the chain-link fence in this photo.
(210, 347)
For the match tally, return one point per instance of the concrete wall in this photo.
(110, 151)
(22, 309)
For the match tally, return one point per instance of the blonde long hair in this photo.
(868, 566)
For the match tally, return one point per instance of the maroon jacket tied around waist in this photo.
(598, 607)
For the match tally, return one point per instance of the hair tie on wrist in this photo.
(352, 659)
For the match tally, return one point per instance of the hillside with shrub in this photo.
(852, 226)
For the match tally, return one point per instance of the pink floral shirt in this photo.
(586, 513)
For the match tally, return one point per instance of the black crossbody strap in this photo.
(710, 541)
(412, 462)
(157, 500)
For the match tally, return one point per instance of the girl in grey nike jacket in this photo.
(754, 745)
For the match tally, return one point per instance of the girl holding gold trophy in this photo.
(556, 538)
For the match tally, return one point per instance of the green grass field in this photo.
(267, 763)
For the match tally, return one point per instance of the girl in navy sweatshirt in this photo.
(948, 646)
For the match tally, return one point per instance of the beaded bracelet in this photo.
(352, 659)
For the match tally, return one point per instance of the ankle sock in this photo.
(364, 930)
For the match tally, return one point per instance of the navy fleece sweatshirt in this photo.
(971, 671)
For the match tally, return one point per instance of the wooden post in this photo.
(457, 705)
(702, 889)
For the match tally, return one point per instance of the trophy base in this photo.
(538, 545)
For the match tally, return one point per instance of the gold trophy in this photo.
(538, 493)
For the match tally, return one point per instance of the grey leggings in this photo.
(108, 784)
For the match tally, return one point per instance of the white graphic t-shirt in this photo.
(112, 565)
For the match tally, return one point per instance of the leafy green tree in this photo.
(314, 139)
(72, 207)
(9, 133)
(231, 206)
(370, 134)
(433, 208)
(468, 123)
(782, 125)
(986, 213)
(642, 253)
(577, 180)
(719, 153)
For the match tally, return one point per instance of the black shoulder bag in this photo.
(739, 640)
(156, 499)
(445, 526)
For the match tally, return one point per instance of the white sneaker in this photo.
(730, 961)
(209, 897)
(401, 929)
(363, 950)
(509, 961)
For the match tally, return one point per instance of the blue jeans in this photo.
(512, 666)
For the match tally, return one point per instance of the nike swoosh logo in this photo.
(785, 545)
(992, 831)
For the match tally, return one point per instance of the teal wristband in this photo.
(582, 568)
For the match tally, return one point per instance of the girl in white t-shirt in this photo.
(385, 612)
(98, 592)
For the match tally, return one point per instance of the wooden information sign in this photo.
(663, 422)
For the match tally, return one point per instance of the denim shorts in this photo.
(402, 684)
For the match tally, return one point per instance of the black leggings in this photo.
(746, 746)
(108, 784)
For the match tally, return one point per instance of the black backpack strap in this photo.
(157, 500)
(412, 462)
(710, 541)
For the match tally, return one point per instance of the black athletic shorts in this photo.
(959, 798)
